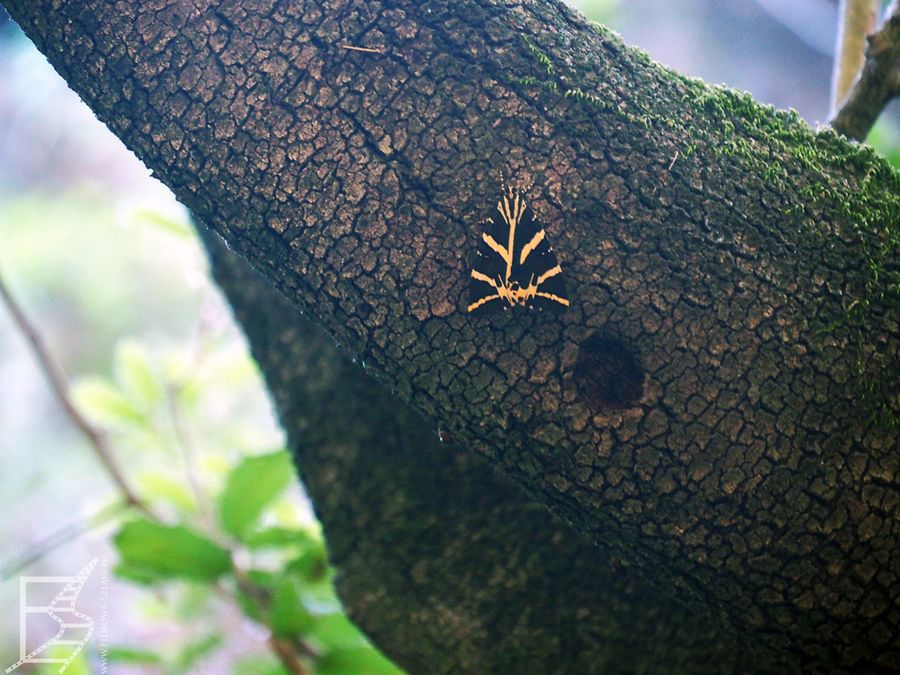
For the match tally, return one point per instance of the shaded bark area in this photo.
(448, 567)
(746, 265)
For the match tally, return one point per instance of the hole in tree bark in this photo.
(608, 374)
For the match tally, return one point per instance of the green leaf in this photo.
(159, 487)
(258, 664)
(110, 511)
(280, 537)
(131, 655)
(78, 666)
(262, 583)
(266, 579)
(158, 551)
(288, 615)
(249, 607)
(335, 632)
(311, 565)
(135, 575)
(136, 375)
(886, 140)
(145, 216)
(354, 661)
(194, 651)
(101, 401)
(251, 486)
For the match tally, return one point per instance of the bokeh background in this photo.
(102, 258)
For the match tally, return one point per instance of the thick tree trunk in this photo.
(445, 565)
(718, 402)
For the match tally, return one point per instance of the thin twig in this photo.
(674, 159)
(62, 536)
(58, 384)
(858, 18)
(286, 650)
(186, 451)
(368, 50)
(664, 178)
(878, 83)
(288, 656)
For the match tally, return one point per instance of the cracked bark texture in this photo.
(443, 563)
(741, 260)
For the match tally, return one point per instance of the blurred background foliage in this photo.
(105, 263)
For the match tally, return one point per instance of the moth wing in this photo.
(539, 259)
(487, 262)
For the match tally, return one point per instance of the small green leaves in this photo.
(136, 375)
(104, 403)
(251, 486)
(131, 655)
(542, 58)
(280, 537)
(151, 551)
(178, 415)
(178, 226)
(288, 615)
(127, 400)
(353, 661)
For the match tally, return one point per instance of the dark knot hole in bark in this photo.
(609, 374)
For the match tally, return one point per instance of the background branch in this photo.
(283, 649)
(63, 535)
(878, 83)
(856, 20)
(60, 388)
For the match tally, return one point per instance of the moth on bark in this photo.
(514, 264)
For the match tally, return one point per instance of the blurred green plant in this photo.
(599, 10)
(218, 521)
(885, 138)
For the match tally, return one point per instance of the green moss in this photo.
(841, 183)
(582, 95)
(870, 207)
(534, 82)
(542, 58)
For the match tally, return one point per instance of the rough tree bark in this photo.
(718, 405)
(446, 566)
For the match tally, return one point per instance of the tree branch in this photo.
(447, 567)
(96, 439)
(709, 404)
(878, 82)
(40, 549)
(856, 20)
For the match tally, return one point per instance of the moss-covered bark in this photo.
(747, 265)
